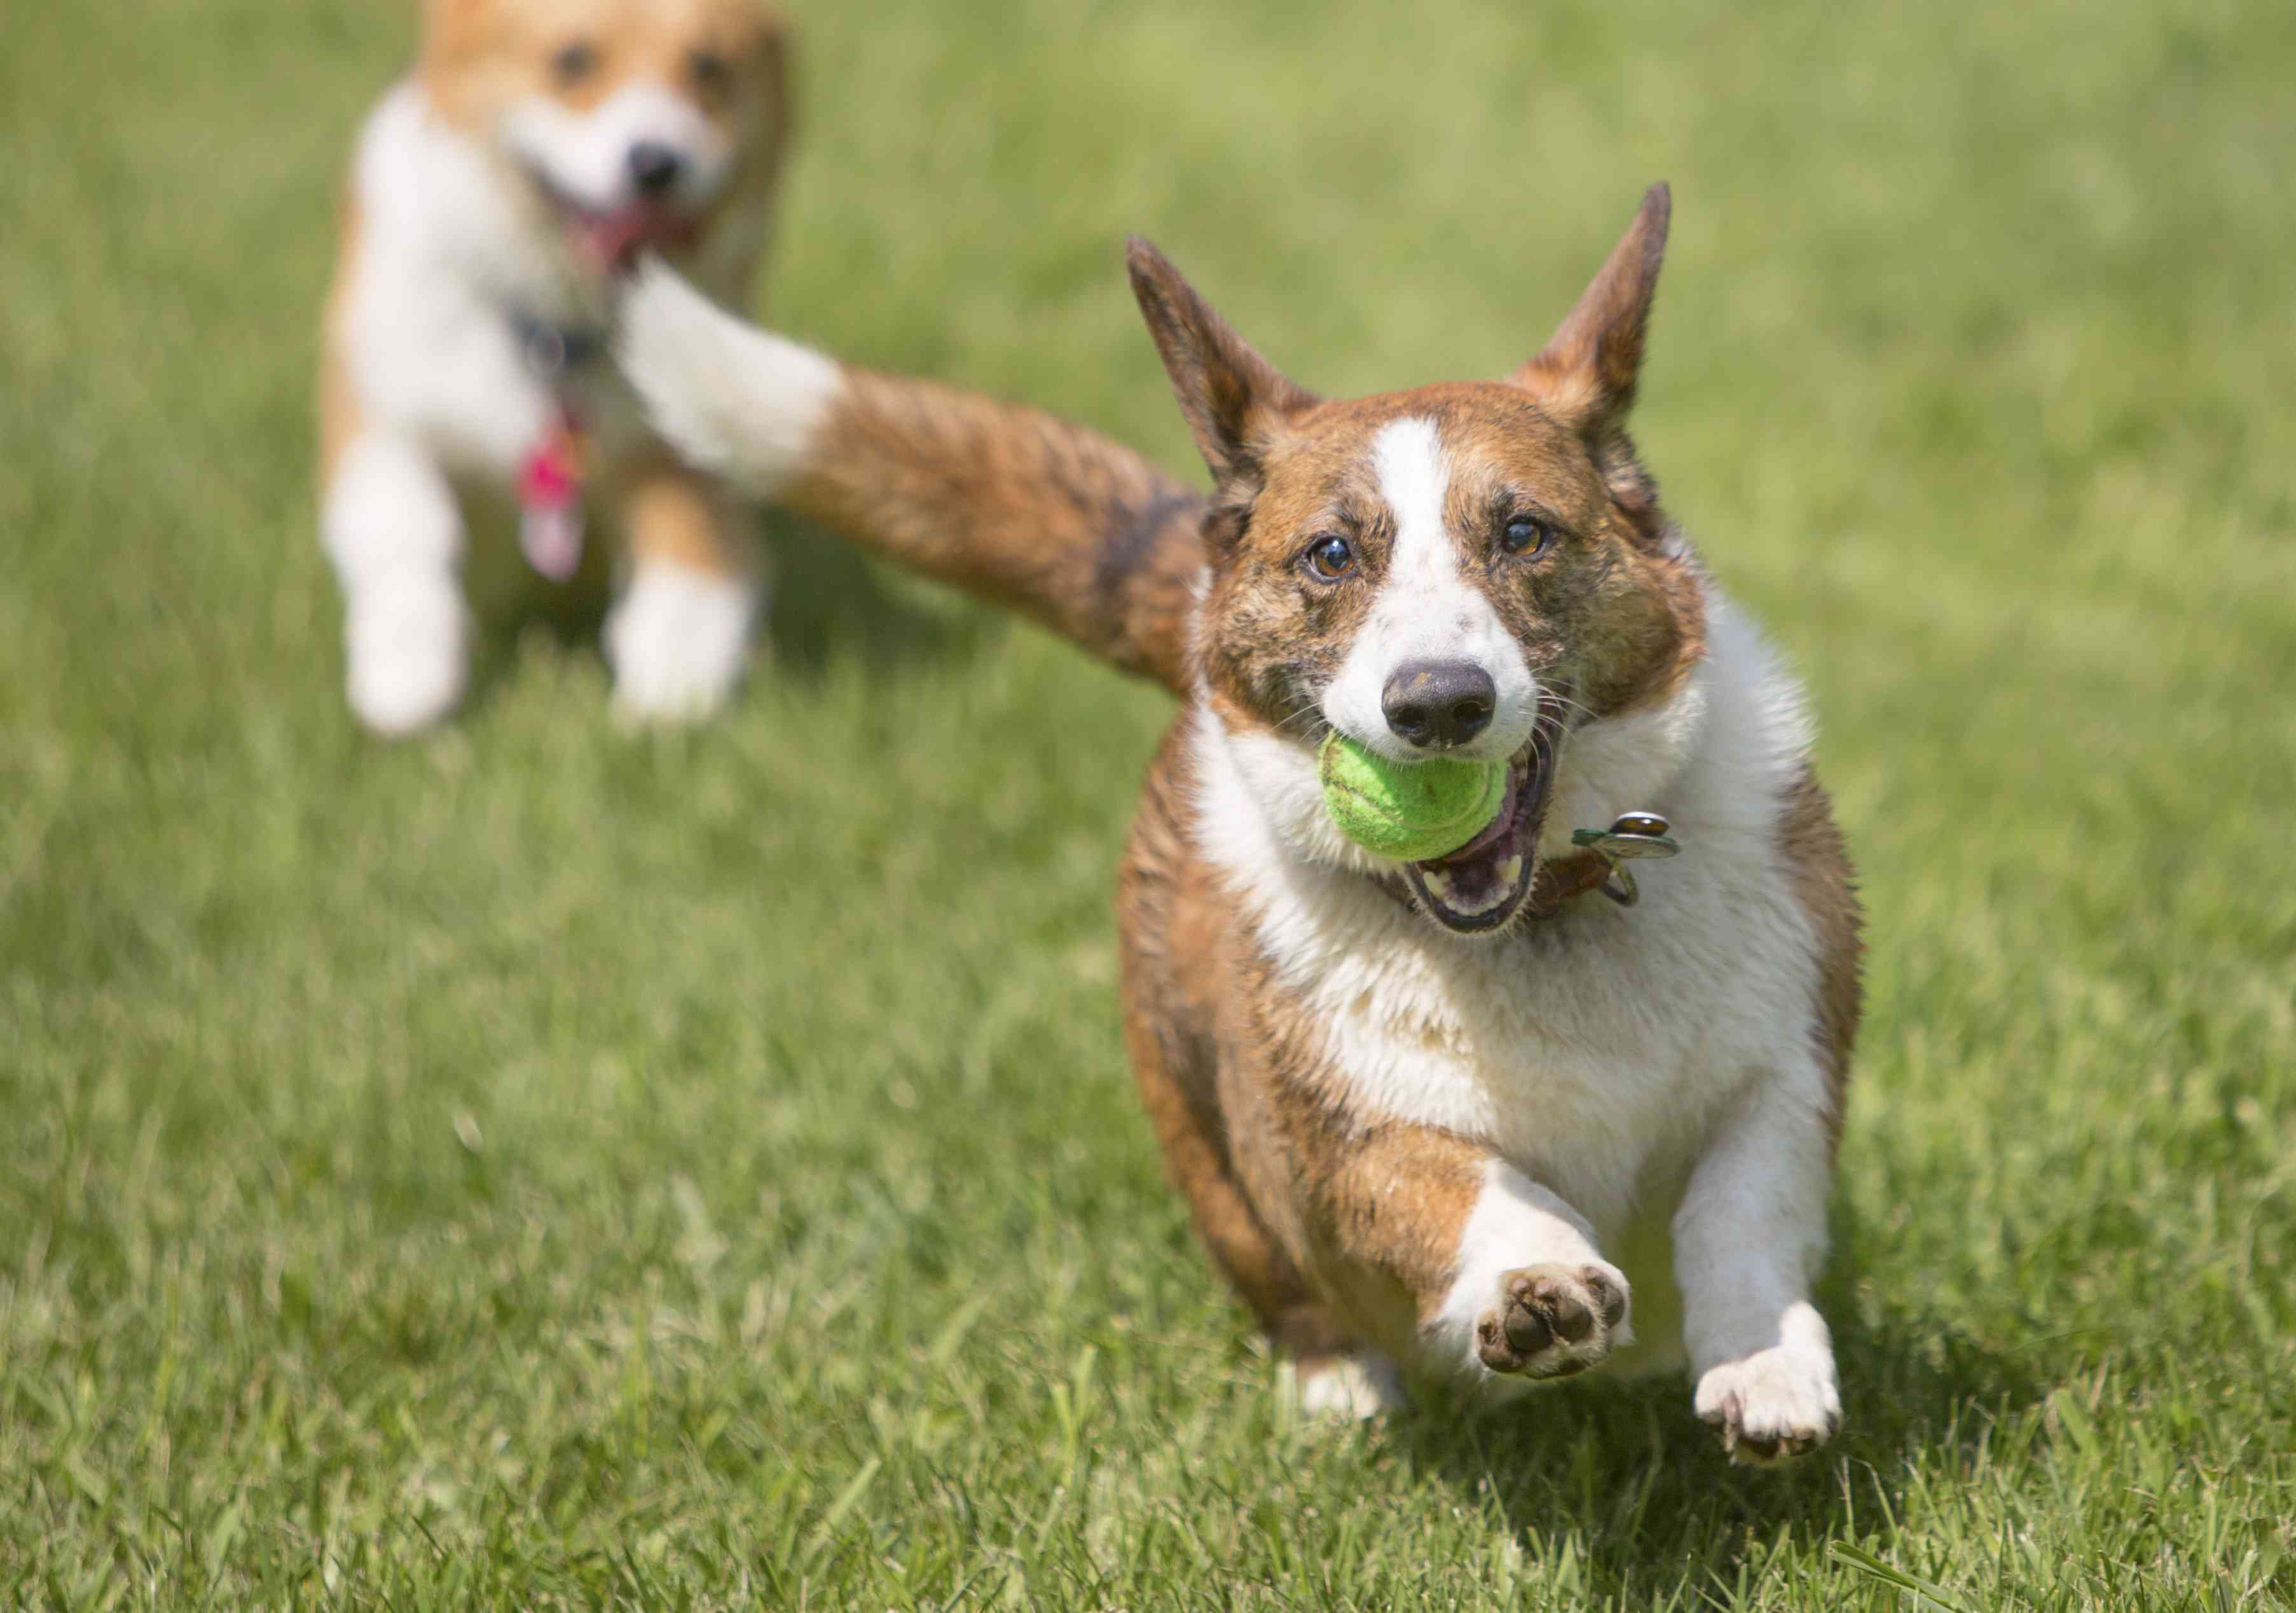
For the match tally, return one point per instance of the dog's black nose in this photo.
(1436, 703)
(655, 166)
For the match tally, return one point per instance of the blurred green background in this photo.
(544, 1164)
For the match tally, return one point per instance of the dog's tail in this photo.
(1006, 502)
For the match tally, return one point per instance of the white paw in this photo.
(406, 664)
(1553, 1320)
(1349, 1388)
(1774, 1404)
(677, 641)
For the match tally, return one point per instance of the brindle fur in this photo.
(1811, 848)
(1019, 507)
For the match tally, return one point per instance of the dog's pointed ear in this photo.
(1588, 370)
(1237, 402)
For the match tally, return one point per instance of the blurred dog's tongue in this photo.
(614, 239)
(611, 237)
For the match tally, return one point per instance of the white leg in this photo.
(1747, 1239)
(677, 640)
(1532, 1298)
(1346, 1389)
(395, 537)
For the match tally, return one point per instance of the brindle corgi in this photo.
(466, 389)
(1463, 1116)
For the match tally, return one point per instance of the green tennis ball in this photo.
(1410, 810)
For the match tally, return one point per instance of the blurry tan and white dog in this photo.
(467, 390)
(1458, 1116)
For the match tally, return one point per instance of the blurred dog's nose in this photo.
(655, 166)
(1433, 704)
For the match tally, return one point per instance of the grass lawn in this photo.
(543, 1165)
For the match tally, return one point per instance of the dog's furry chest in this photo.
(1593, 1053)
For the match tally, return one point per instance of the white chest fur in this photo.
(1594, 1050)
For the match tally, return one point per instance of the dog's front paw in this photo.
(1772, 1404)
(405, 665)
(1551, 1321)
(677, 641)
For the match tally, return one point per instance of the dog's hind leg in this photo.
(679, 636)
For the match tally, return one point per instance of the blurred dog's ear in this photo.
(1237, 402)
(454, 32)
(769, 48)
(1587, 373)
(763, 37)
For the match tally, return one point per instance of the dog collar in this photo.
(550, 476)
(551, 350)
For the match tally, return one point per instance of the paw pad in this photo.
(1551, 1321)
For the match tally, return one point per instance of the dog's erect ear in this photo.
(1588, 370)
(1237, 402)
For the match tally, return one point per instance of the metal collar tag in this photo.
(1635, 835)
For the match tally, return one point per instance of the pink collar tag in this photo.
(550, 502)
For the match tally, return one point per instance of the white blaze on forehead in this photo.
(1413, 476)
(587, 155)
(1429, 607)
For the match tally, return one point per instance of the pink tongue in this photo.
(612, 239)
(1493, 831)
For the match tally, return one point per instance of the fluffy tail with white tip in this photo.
(1003, 501)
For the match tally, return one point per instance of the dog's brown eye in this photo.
(1329, 558)
(711, 71)
(1525, 535)
(574, 62)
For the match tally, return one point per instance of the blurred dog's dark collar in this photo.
(552, 349)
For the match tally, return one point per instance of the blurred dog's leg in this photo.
(394, 535)
(679, 636)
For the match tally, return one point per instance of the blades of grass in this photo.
(850, 1497)
(951, 1337)
(224, 1531)
(1889, 1574)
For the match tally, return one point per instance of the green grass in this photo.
(543, 1165)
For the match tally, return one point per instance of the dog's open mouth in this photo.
(610, 240)
(1484, 884)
